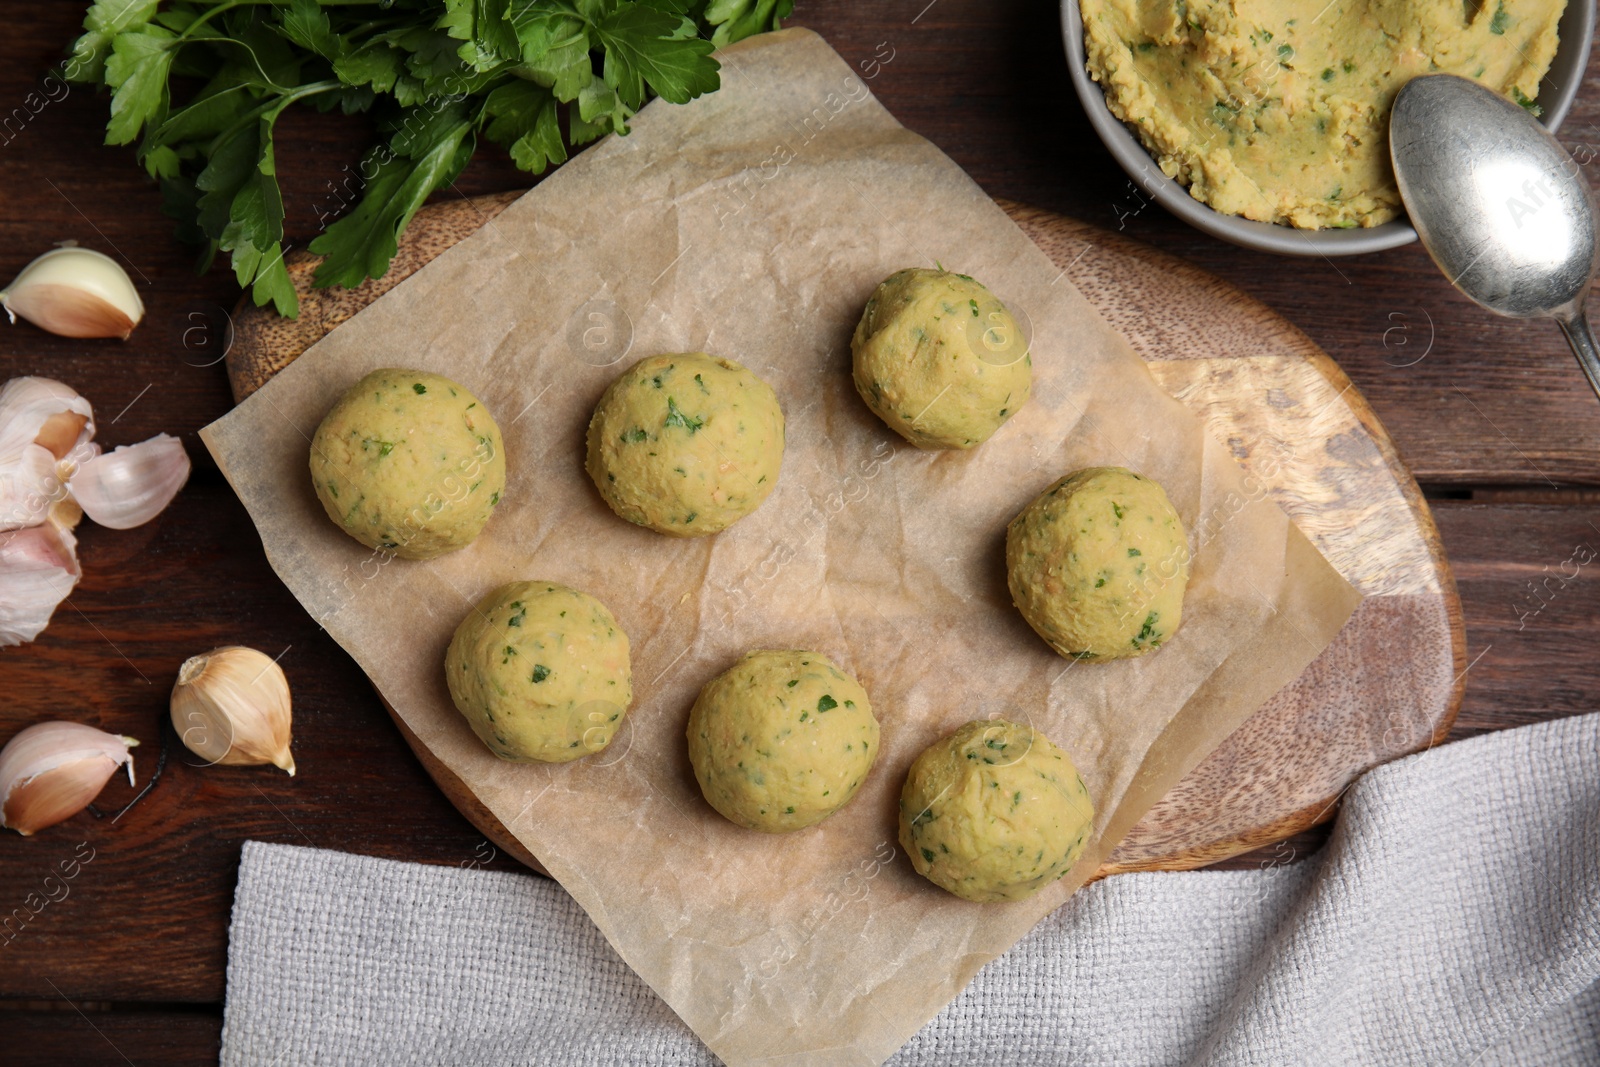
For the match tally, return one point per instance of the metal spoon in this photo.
(1498, 203)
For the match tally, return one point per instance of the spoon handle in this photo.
(1581, 338)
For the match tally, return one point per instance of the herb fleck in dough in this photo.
(939, 359)
(409, 462)
(994, 812)
(781, 740)
(686, 444)
(540, 672)
(1098, 564)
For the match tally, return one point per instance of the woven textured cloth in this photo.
(1453, 918)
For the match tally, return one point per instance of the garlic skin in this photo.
(45, 434)
(38, 570)
(131, 484)
(231, 706)
(53, 770)
(75, 292)
(27, 404)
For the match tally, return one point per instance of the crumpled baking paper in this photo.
(753, 223)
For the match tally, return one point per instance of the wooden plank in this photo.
(66, 1034)
(1529, 578)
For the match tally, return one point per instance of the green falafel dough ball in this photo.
(409, 462)
(540, 672)
(781, 740)
(940, 359)
(994, 811)
(686, 444)
(1098, 564)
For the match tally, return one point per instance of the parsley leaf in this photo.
(422, 156)
(103, 22)
(485, 27)
(241, 205)
(600, 109)
(261, 270)
(307, 25)
(375, 64)
(522, 119)
(738, 19)
(137, 73)
(677, 418)
(555, 48)
(647, 46)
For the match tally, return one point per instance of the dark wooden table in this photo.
(1493, 416)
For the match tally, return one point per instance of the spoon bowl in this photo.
(1500, 206)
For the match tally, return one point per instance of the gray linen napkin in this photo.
(1454, 918)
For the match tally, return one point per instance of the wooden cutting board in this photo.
(1388, 685)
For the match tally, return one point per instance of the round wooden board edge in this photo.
(1302, 346)
(257, 330)
(464, 799)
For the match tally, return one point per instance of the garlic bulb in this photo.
(131, 484)
(75, 292)
(231, 706)
(51, 474)
(45, 431)
(52, 770)
(38, 569)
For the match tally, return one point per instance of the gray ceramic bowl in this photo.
(1560, 88)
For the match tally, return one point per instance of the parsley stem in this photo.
(207, 17)
(229, 5)
(277, 103)
(373, 24)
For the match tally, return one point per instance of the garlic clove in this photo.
(45, 433)
(131, 484)
(53, 770)
(65, 514)
(58, 794)
(37, 483)
(29, 485)
(38, 569)
(61, 432)
(75, 292)
(232, 706)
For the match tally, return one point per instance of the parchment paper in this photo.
(754, 223)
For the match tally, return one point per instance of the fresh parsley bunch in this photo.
(434, 74)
